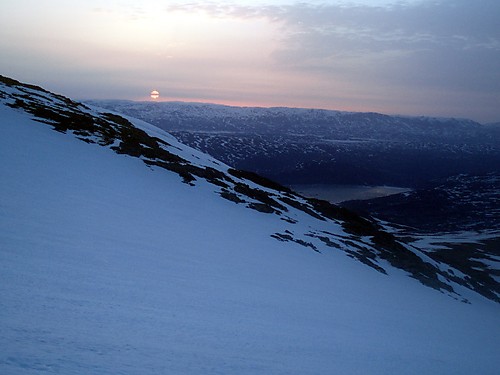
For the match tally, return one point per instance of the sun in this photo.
(155, 94)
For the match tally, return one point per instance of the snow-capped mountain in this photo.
(299, 146)
(124, 251)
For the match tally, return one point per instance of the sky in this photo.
(413, 57)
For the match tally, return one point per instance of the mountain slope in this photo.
(108, 266)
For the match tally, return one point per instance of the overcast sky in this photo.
(427, 57)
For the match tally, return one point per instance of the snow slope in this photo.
(110, 267)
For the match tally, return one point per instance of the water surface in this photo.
(342, 193)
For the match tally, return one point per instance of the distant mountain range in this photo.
(311, 146)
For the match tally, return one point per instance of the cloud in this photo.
(436, 51)
(423, 43)
(335, 30)
(430, 49)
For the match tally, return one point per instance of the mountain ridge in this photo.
(298, 146)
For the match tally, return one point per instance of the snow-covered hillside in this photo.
(123, 251)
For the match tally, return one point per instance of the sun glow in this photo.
(155, 94)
